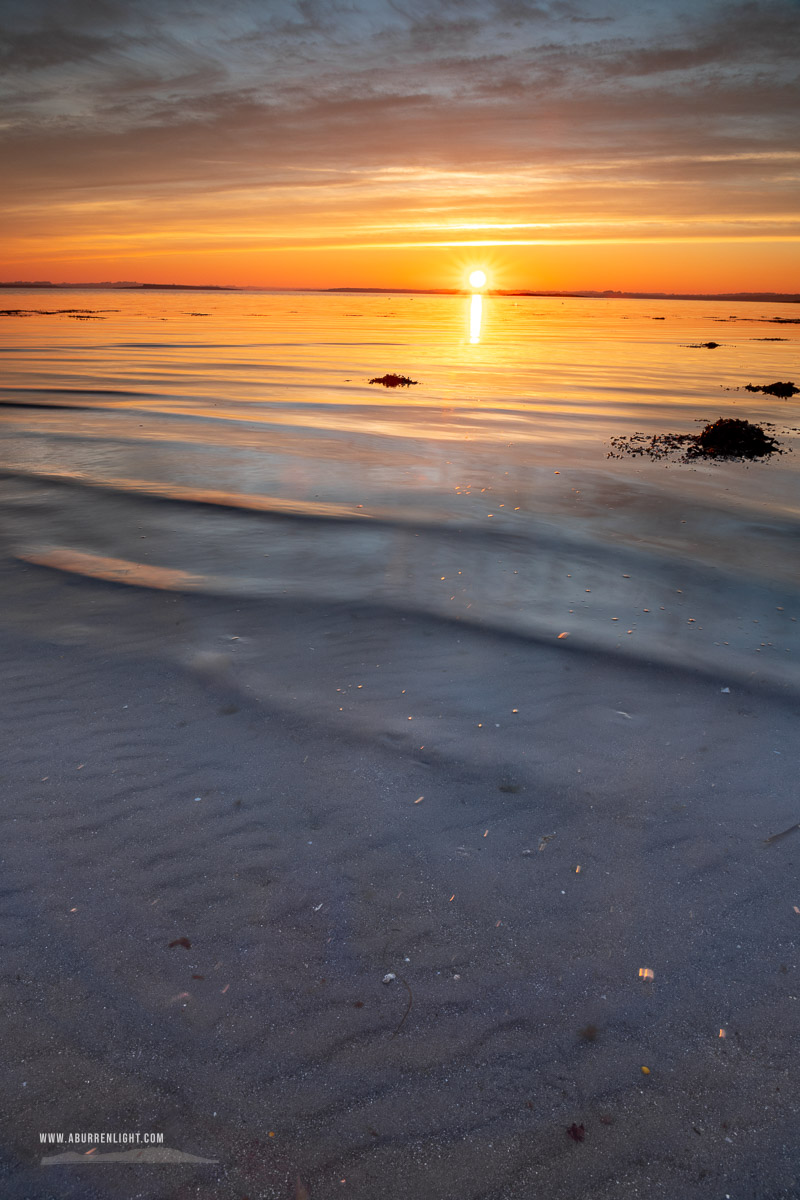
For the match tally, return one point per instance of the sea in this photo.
(235, 443)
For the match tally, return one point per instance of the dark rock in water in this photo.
(394, 380)
(730, 437)
(783, 390)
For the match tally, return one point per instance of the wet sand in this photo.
(305, 872)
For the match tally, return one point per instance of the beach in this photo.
(392, 776)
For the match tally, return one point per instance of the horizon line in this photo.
(576, 293)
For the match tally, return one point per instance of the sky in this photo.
(556, 144)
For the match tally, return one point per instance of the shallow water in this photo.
(283, 679)
(231, 444)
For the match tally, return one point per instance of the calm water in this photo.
(231, 443)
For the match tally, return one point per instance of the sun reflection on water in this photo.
(475, 317)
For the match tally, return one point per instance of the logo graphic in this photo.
(143, 1154)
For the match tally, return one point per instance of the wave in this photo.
(551, 587)
(62, 391)
(310, 345)
(43, 404)
(257, 505)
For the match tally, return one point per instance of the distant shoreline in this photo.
(732, 297)
(43, 285)
(764, 297)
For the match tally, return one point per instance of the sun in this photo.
(477, 279)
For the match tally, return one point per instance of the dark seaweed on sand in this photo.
(727, 438)
(394, 380)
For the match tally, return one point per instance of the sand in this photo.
(215, 799)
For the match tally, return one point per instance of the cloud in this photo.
(318, 113)
(48, 48)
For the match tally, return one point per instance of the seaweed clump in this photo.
(655, 446)
(77, 314)
(729, 437)
(784, 391)
(394, 380)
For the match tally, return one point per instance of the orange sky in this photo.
(314, 143)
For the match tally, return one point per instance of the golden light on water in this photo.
(475, 314)
(477, 279)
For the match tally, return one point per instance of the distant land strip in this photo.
(762, 297)
(127, 287)
(758, 297)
